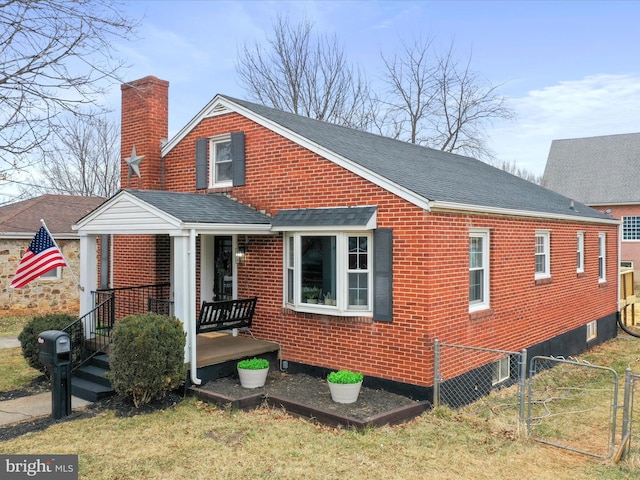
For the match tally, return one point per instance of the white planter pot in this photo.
(344, 392)
(252, 378)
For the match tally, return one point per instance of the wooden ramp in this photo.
(217, 348)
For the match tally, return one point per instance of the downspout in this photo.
(191, 302)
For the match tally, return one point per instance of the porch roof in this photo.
(344, 217)
(156, 212)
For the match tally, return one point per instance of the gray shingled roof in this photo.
(432, 174)
(596, 170)
(323, 216)
(202, 208)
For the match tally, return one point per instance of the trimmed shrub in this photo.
(253, 364)
(34, 327)
(344, 377)
(146, 357)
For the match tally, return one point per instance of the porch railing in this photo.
(133, 300)
(91, 333)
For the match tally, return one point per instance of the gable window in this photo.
(221, 161)
(631, 228)
(580, 252)
(602, 270)
(329, 271)
(478, 270)
(543, 262)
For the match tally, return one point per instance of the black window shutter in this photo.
(383, 275)
(202, 179)
(237, 154)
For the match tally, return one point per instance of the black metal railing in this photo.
(133, 300)
(91, 333)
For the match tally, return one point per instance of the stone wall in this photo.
(42, 295)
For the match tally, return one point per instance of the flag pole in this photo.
(62, 254)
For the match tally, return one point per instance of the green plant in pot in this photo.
(253, 372)
(345, 385)
(311, 294)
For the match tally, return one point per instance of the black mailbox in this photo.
(55, 347)
(55, 354)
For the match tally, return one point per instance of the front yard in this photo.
(195, 440)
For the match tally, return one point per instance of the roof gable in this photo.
(595, 170)
(162, 212)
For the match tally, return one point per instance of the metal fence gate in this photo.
(630, 429)
(567, 399)
(490, 382)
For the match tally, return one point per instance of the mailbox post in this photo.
(55, 354)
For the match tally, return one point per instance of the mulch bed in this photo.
(309, 397)
(299, 394)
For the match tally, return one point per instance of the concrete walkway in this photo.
(32, 406)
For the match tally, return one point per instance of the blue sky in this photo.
(569, 69)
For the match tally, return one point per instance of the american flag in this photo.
(41, 256)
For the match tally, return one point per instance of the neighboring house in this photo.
(413, 244)
(604, 173)
(57, 290)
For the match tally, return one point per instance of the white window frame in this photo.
(213, 143)
(501, 371)
(484, 303)
(580, 252)
(631, 228)
(545, 237)
(602, 257)
(341, 296)
(592, 330)
(53, 274)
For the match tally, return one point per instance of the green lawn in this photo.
(196, 440)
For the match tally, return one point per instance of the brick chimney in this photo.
(144, 125)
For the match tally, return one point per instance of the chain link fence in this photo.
(489, 382)
(631, 416)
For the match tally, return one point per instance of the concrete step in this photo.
(93, 373)
(90, 391)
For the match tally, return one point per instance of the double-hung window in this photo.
(329, 271)
(580, 252)
(221, 161)
(478, 270)
(543, 255)
(602, 267)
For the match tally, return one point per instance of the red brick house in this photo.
(412, 244)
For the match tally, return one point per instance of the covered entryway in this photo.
(189, 239)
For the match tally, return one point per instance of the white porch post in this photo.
(184, 294)
(88, 272)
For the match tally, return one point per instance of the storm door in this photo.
(223, 268)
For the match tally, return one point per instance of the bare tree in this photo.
(513, 168)
(55, 57)
(86, 160)
(431, 100)
(305, 74)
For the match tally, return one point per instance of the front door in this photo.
(223, 268)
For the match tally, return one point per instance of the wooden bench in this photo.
(226, 315)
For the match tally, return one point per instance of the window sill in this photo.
(603, 284)
(329, 312)
(481, 314)
(544, 281)
(581, 275)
